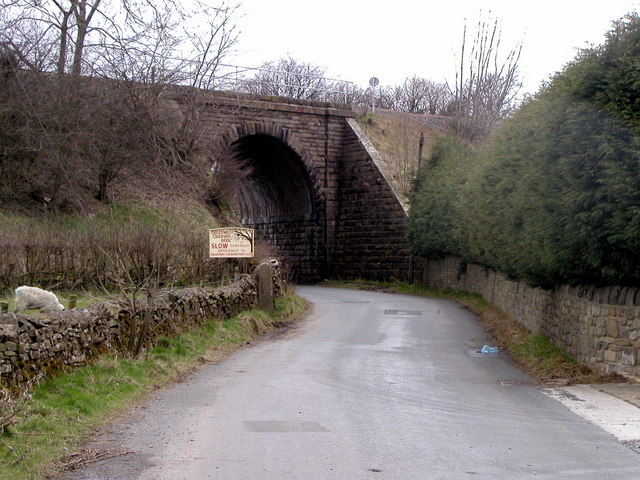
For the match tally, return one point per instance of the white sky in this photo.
(357, 39)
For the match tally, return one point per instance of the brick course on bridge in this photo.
(318, 191)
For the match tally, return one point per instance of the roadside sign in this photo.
(232, 242)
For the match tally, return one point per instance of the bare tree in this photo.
(486, 85)
(411, 95)
(46, 35)
(209, 49)
(60, 135)
(383, 97)
(437, 97)
(83, 12)
(414, 95)
(125, 36)
(380, 96)
(420, 95)
(289, 78)
(340, 91)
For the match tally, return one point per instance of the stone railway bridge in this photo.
(318, 191)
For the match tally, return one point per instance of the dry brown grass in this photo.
(165, 244)
(535, 353)
(397, 139)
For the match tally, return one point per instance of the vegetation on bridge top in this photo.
(396, 136)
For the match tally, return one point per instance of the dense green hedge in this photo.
(554, 196)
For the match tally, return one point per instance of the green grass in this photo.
(473, 301)
(539, 346)
(547, 357)
(65, 410)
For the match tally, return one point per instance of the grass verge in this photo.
(533, 353)
(63, 411)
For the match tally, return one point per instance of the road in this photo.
(370, 386)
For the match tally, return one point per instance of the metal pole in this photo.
(373, 99)
(420, 147)
(411, 257)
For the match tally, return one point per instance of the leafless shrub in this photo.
(226, 174)
(94, 255)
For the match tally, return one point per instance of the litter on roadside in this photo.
(489, 349)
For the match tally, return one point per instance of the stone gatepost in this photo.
(264, 277)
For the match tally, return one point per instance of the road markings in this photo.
(283, 426)
(615, 416)
(410, 313)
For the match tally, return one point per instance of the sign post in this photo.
(231, 242)
(373, 81)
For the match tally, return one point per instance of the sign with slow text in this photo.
(232, 242)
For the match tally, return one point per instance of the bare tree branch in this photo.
(486, 84)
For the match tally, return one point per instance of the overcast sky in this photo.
(357, 39)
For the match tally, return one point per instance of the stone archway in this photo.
(280, 199)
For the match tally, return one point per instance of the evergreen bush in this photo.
(554, 195)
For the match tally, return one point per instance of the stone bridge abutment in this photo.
(313, 186)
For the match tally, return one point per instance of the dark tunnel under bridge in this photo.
(278, 200)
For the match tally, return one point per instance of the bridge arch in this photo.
(281, 196)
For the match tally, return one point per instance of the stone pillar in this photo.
(264, 277)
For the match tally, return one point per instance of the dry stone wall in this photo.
(600, 327)
(49, 343)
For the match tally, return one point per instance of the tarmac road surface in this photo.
(370, 386)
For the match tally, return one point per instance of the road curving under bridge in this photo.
(371, 385)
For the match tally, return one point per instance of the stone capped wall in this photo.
(599, 327)
(49, 343)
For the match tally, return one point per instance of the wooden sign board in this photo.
(233, 242)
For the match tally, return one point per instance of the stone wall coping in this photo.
(610, 295)
(260, 102)
(379, 163)
(50, 342)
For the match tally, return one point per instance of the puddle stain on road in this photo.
(283, 426)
